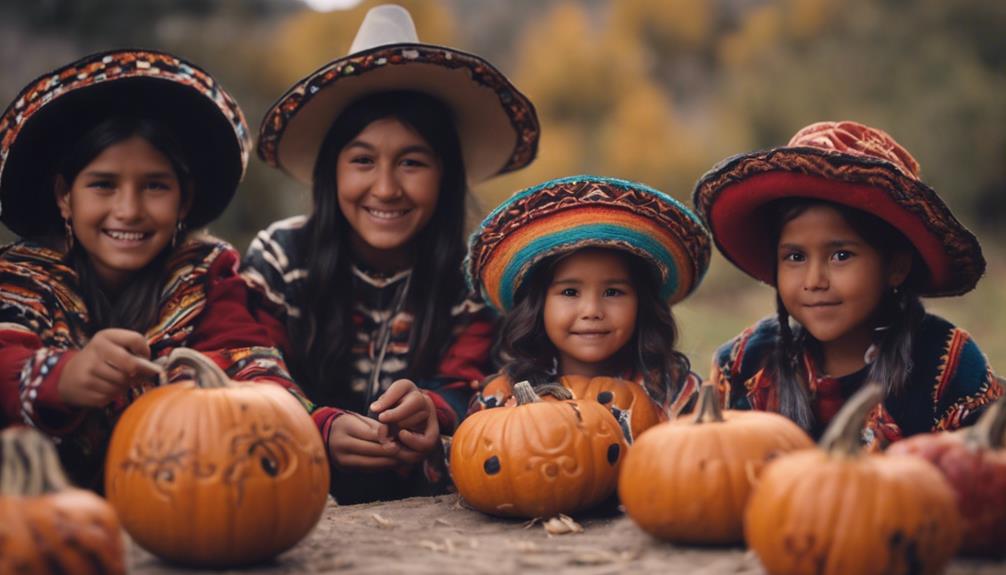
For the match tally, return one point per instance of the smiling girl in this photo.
(105, 166)
(369, 285)
(586, 270)
(840, 223)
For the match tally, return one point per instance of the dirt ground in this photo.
(437, 535)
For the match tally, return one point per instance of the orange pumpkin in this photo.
(687, 481)
(838, 510)
(46, 525)
(211, 472)
(627, 400)
(537, 458)
(974, 462)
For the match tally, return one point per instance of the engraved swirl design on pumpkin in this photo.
(164, 461)
(536, 459)
(260, 450)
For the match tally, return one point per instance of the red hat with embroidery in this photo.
(845, 163)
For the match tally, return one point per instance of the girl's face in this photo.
(388, 179)
(124, 207)
(832, 281)
(590, 310)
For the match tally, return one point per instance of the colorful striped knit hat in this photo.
(567, 214)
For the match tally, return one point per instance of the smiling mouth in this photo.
(590, 333)
(125, 236)
(821, 304)
(386, 214)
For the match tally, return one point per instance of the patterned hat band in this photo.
(569, 214)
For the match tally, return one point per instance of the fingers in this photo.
(394, 394)
(126, 363)
(134, 342)
(357, 442)
(423, 442)
(411, 411)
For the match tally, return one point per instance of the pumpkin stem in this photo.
(555, 390)
(525, 393)
(29, 466)
(844, 432)
(709, 410)
(990, 430)
(208, 375)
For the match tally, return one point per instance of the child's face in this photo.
(124, 207)
(830, 280)
(590, 310)
(388, 179)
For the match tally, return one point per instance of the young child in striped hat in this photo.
(585, 270)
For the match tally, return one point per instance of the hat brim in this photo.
(568, 214)
(497, 125)
(734, 198)
(208, 125)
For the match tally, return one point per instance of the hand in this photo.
(361, 443)
(405, 407)
(113, 361)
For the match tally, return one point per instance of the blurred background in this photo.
(650, 90)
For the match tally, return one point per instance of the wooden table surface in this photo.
(438, 535)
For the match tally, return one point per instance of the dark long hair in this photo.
(898, 316)
(136, 306)
(324, 328)
(527, 354)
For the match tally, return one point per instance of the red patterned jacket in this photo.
(43, 323)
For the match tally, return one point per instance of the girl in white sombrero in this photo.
(106, 166)
(840, 223)
(369, 285)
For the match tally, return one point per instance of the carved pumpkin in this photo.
(837, 510)
(46, 525)
(628, 401)
(688, 480)
(537, 458)
(212, 472)
(974, 462)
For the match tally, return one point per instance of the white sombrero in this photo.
(497, 125)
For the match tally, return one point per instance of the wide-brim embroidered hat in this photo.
(846, 163)
(567, 214)
(496, 124)
(56, 109)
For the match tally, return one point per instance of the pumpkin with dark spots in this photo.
(217, 473)
(687, 480)
(627, 399)
(974, 462)
(46, 525)
(537, 458)
(852, 512)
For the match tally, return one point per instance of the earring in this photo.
(68, 229)
(179, 229)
